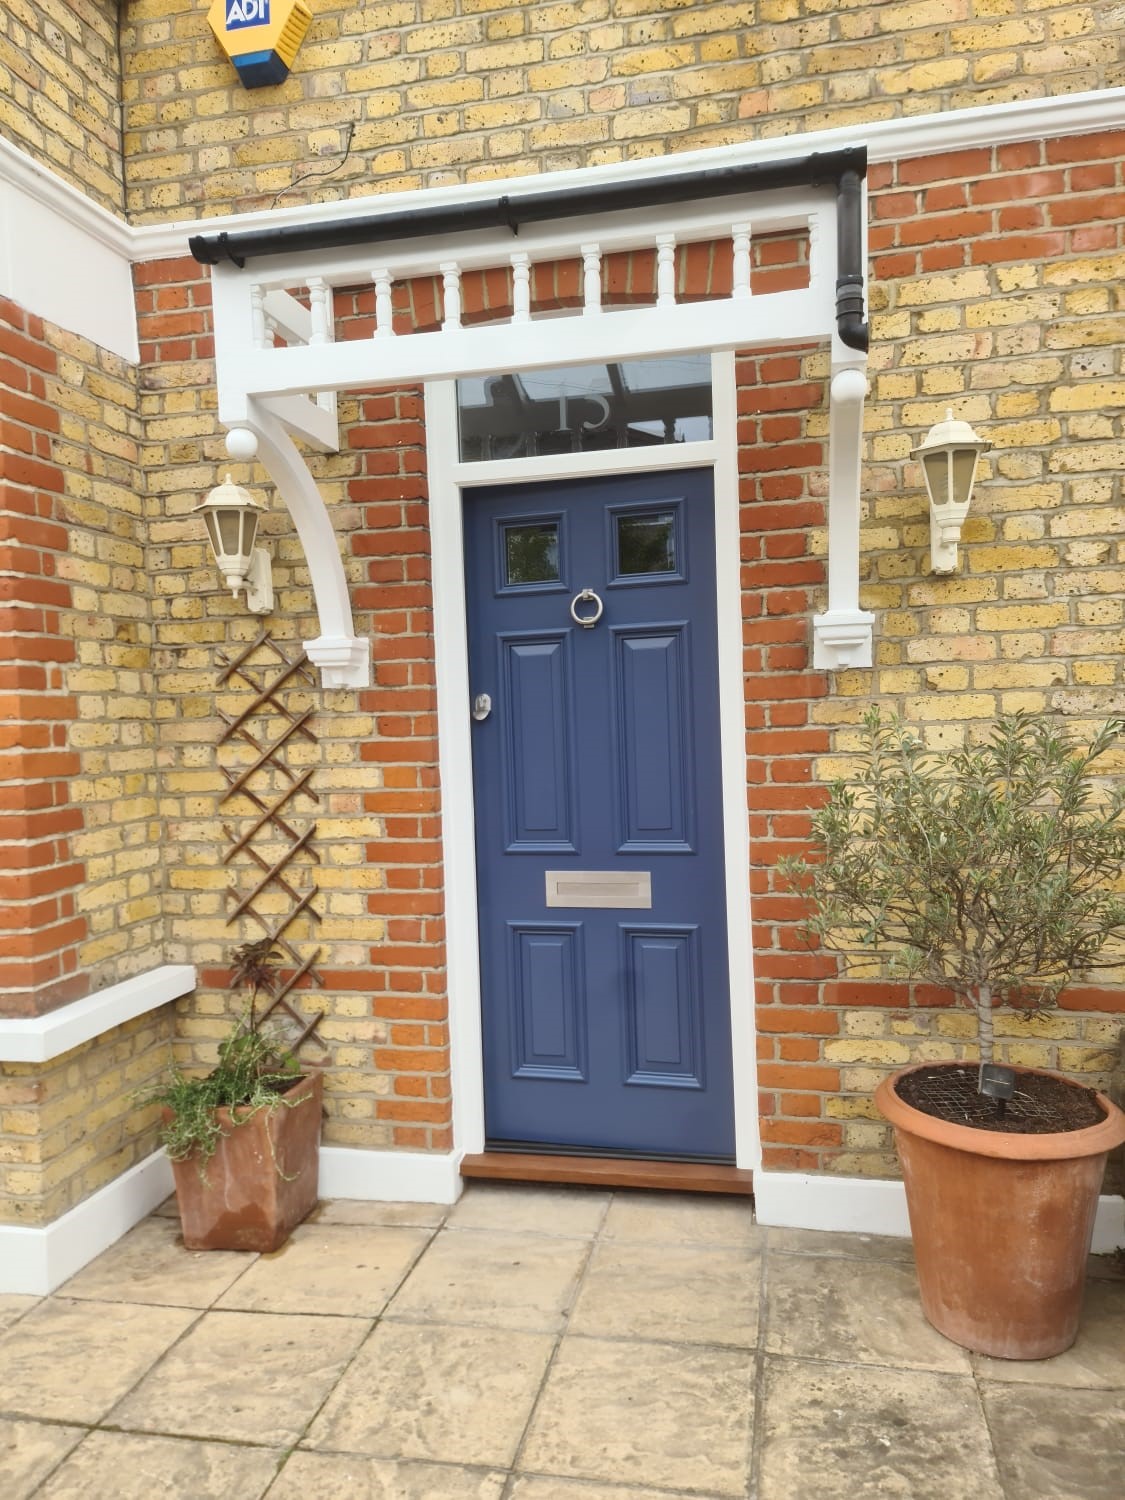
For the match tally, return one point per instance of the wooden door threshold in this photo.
(608, 1171)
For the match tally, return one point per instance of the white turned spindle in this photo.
(318, 309)
(257, 317)
(451, 283)
(384, 315)
(271, 332)
(740, 241)
(665, 270)
(521, 287)
(591, 279)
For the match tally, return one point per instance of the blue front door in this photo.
(594, 675)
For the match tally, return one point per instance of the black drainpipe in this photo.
(845, 169)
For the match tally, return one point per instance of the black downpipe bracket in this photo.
(844, 169)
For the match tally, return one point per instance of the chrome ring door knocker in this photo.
(586, 621)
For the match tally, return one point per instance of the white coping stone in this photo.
(35, 1039)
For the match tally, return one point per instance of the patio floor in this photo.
(539, 1344)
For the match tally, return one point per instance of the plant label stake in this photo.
(997, 1083)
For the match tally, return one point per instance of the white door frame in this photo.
(448, 479)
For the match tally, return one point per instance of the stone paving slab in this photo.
(501, 1280)
(129, 1467)
(342, 1269)
(13, 1307)
(457, 1394)
(29, 1451)
(317, 1476)
(691, 1293)
(840, 1432)
(540, 1344)
(72, 1361)
(864, 1312)
(244, 1377)
(1058, 1444)
(673, 1415)
(150, 1264)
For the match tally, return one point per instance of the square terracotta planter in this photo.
(262, 1180)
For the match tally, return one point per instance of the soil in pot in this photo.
(1040, 1105)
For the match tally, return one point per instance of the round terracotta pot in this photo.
(1001, 1223)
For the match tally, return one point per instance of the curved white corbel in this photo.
(842, 635)
(344, 658)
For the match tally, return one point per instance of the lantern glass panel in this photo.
(936, 468)
(963, 463)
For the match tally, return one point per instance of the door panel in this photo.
(606, 1023)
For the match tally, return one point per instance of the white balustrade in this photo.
(521, 287)
(384, 312)
(451, 284)
(740, 244)
(665, 270)
(591, 280)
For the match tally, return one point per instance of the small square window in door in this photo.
(647, 543)
(530, 553)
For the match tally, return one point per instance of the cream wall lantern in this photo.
(948, 455)
(231, 515)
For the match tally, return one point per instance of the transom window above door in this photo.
(585, 408)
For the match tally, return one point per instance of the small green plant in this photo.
(254, 1070)
(994, 871)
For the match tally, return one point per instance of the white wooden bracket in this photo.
(842, 635)
(344, 658)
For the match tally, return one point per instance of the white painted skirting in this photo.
(862, 1205)
(36, 1261)
(32, 1039)
(390, 1176)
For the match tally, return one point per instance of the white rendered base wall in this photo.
(34, 1262)
(863, 1205)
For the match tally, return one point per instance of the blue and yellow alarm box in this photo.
(260, 37)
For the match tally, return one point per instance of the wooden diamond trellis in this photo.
(271, 785)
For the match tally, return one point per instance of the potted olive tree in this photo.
(994, 872)
(244, 1141)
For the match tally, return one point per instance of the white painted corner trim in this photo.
(865, 1205)
(64, 258)
(34, 1262)
(35, 1039)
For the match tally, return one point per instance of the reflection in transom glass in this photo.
(531, 553)
(585, 408)
(646, 543)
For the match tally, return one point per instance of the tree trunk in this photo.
(984, 1020)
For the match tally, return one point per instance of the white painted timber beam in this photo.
(634, 333)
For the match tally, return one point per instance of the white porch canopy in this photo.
(280, 367)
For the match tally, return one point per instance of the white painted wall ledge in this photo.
(865, 1205)
(35, 1039)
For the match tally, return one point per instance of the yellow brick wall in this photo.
(96, 450)
(69, 1127)
(60, 90)
(441, 91)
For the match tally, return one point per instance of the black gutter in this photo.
(842, 169)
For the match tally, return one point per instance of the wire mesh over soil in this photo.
(1041, 1105)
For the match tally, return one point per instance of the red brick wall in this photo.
(39, 927)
